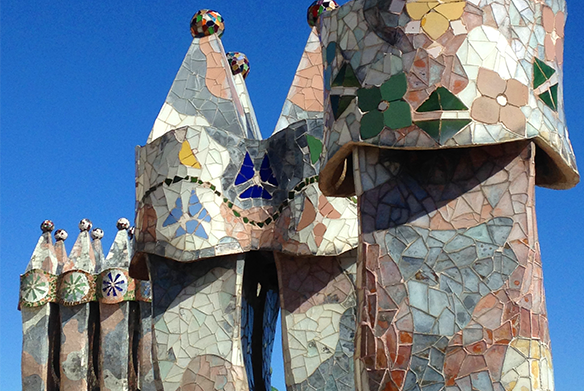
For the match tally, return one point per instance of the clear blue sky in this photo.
(81, 85)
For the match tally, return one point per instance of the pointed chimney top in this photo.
(120, 253)
(82, 256)
(44, 257)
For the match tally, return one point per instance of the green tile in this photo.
(430, 104)
(346, 77)
(371, 124)
(450, 127)
(340, 103)
(550, 97)
(442, 99)
(395, 88)
(368, 98)
(541, 73)
(431, 127)
(443, 130)
(547, 99)
(398, 115)
(315, 147)
(448, 101)
(554, 94)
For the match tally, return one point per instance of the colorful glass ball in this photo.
(47, 226)
(206, 23)
(317, 8)
(238, 63)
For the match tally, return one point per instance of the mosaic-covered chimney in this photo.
(389, 219)
(84, 323)
(442, 117)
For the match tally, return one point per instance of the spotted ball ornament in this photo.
(85, 225)
(47, 226)
(123, 223)
(61, 235)
(317, 8)
(206, 23)
(239, 63)
(97, 234)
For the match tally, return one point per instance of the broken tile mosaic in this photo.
(389, 219)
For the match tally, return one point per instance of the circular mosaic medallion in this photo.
(114, 286)
(36, 288)
(76, 287)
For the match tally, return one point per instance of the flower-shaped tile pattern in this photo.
(554, 38)
(384, 106)
(501, 101)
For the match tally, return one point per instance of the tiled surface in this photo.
(207, 187)
(246, 195)
(460, 47)
(429, 279)
(196, 313)
(318, 320)
(450, 270)
(85, 341)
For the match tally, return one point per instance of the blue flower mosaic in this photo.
(114, 284)
(248, 172)
(195, 213)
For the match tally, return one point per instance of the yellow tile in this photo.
(435, 24)
(535, 374)
(522, 345)
(451, 11)
(419, 9)
(187, 157)
(535, 352)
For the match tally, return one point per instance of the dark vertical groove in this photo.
(271, 312)
(259, 279)
(93, 331)
(134, 335)
(258, 339)
(54, 335)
